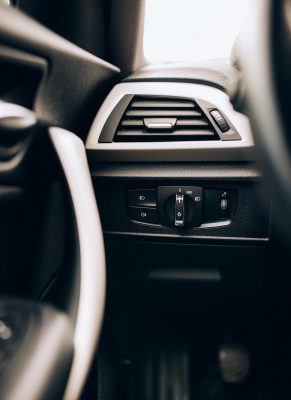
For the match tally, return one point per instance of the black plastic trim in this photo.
(112, 122)
(181, 171)
(76, 82)
(170, 238)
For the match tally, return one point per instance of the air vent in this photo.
(163, 119)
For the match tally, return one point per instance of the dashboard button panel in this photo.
(181, 207)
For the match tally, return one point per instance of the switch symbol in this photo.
(143, 214)
(142, 198)
(197, 199)
(179, 214)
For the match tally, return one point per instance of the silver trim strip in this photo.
(241, 150)
(71, 152)
(158, 125)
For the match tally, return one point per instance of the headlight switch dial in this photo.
(180, 206)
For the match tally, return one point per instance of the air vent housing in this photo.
(164, 119)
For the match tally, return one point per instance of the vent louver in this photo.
(163, 119)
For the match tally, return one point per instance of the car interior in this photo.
(145, 199)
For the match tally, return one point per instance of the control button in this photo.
(220, 120)
(179, 210)
(142, 197)
(223, 204)
(219, 205)
(143, 214)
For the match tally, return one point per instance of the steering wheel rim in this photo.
(262, 68)
(92, 272)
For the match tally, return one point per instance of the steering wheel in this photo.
(264, 56)
(37, 339)
(46, 350)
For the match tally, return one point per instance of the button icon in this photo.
(142, 197)
(143, 214)
(197, 199)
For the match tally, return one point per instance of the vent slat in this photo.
(162, 104)
(180, 123)
(179, 133)
(163, 113)
(132, 122)
(192, 122)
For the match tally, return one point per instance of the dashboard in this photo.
(174, 167)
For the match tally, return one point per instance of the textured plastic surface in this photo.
(213, 73)
(182, 171)
(75, 82)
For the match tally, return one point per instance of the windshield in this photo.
(191, 30)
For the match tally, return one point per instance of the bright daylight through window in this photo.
(192, 30)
